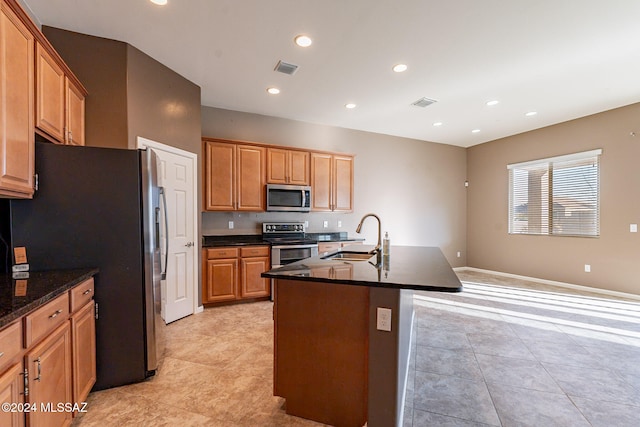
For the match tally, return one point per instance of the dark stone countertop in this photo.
(41, 287)
(256, 239)
(407, 267)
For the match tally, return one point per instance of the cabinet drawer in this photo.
(217, 253)
(45, 319)
(81, 294)
(253, 251)
(10, 343)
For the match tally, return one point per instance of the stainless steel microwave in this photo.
(288, 198)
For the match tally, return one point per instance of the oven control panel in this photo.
(282, 227)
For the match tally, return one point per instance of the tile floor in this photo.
(504, 352)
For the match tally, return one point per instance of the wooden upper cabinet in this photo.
(59, 101)
(287, 166)
(342, 183)
(50, 93)
(17, 149)
(321, 196)
(74, 114)
(234, 177)
(250, 178)
(220, 172)
(332, 182)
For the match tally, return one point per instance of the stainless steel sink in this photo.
(349, 256)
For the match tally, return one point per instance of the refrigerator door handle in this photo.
(163, 197)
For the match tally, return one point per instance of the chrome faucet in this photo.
(377, 249)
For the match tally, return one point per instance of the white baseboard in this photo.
(554, 283)
(199, 309)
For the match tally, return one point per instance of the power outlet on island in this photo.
(383, 322)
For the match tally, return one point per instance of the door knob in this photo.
(189, 244)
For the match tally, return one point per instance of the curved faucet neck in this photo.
(379, 245)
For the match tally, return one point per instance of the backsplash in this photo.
(217, 223)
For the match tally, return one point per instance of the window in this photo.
(556, 196)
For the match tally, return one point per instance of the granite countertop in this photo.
(407, 267)
(36, 290)
(256, 239)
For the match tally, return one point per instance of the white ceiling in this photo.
(562, 58)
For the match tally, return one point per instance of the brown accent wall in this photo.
(614, 256)
(416, 187)
(101, 66)
(130, 93)
(162, 105)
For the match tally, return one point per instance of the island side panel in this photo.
(321, 350)
(389, 356)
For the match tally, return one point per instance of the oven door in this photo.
(286, 254)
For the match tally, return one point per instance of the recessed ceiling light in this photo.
(350, 105)
(436, 124)
(399, 68)
(475, 131)
(273, 90)
(493, 102)
(303, 41)
(159, 2)
(531, 113)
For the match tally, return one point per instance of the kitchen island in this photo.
(342, 331)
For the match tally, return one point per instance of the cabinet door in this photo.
(83, 338)
(342, 183)
(17, 155)
(250, 178)
(11, 386)
(321, 182)
(299, 167)
(49, 365)
(74, 114)
(254, 286)
(50, 95)
(277, 169)
(220, 171)
(221, 280)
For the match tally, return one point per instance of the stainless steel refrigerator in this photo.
(101, 207)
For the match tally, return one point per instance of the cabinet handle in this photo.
(39, 370)
(54, 315)
(1, 353)
(88, 291)
(70, 136)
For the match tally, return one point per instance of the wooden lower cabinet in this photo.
(54, 347)
(11, 390)
(83, 338)
(233, 273)
(49, 365)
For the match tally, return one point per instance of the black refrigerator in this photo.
(101, 207)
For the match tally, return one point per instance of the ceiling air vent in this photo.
(286, 68)
(424, 102)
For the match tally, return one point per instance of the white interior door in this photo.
(177, 175)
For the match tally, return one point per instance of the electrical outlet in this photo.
(633, 228)
(587, 268)
(230, 225)
(306, 224)
(339, 224)
(325, 224)
(458, 254)
(383, 322)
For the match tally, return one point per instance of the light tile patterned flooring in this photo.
(504, 352)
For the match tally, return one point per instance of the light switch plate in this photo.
(325, 224)
(383, 322)
(230, 225)
(587, 268)
(633, 228)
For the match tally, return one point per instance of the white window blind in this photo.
(556, 196)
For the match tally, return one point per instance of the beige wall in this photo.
(614, 256)
(416, 187)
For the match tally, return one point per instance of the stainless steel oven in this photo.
(288, 243)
